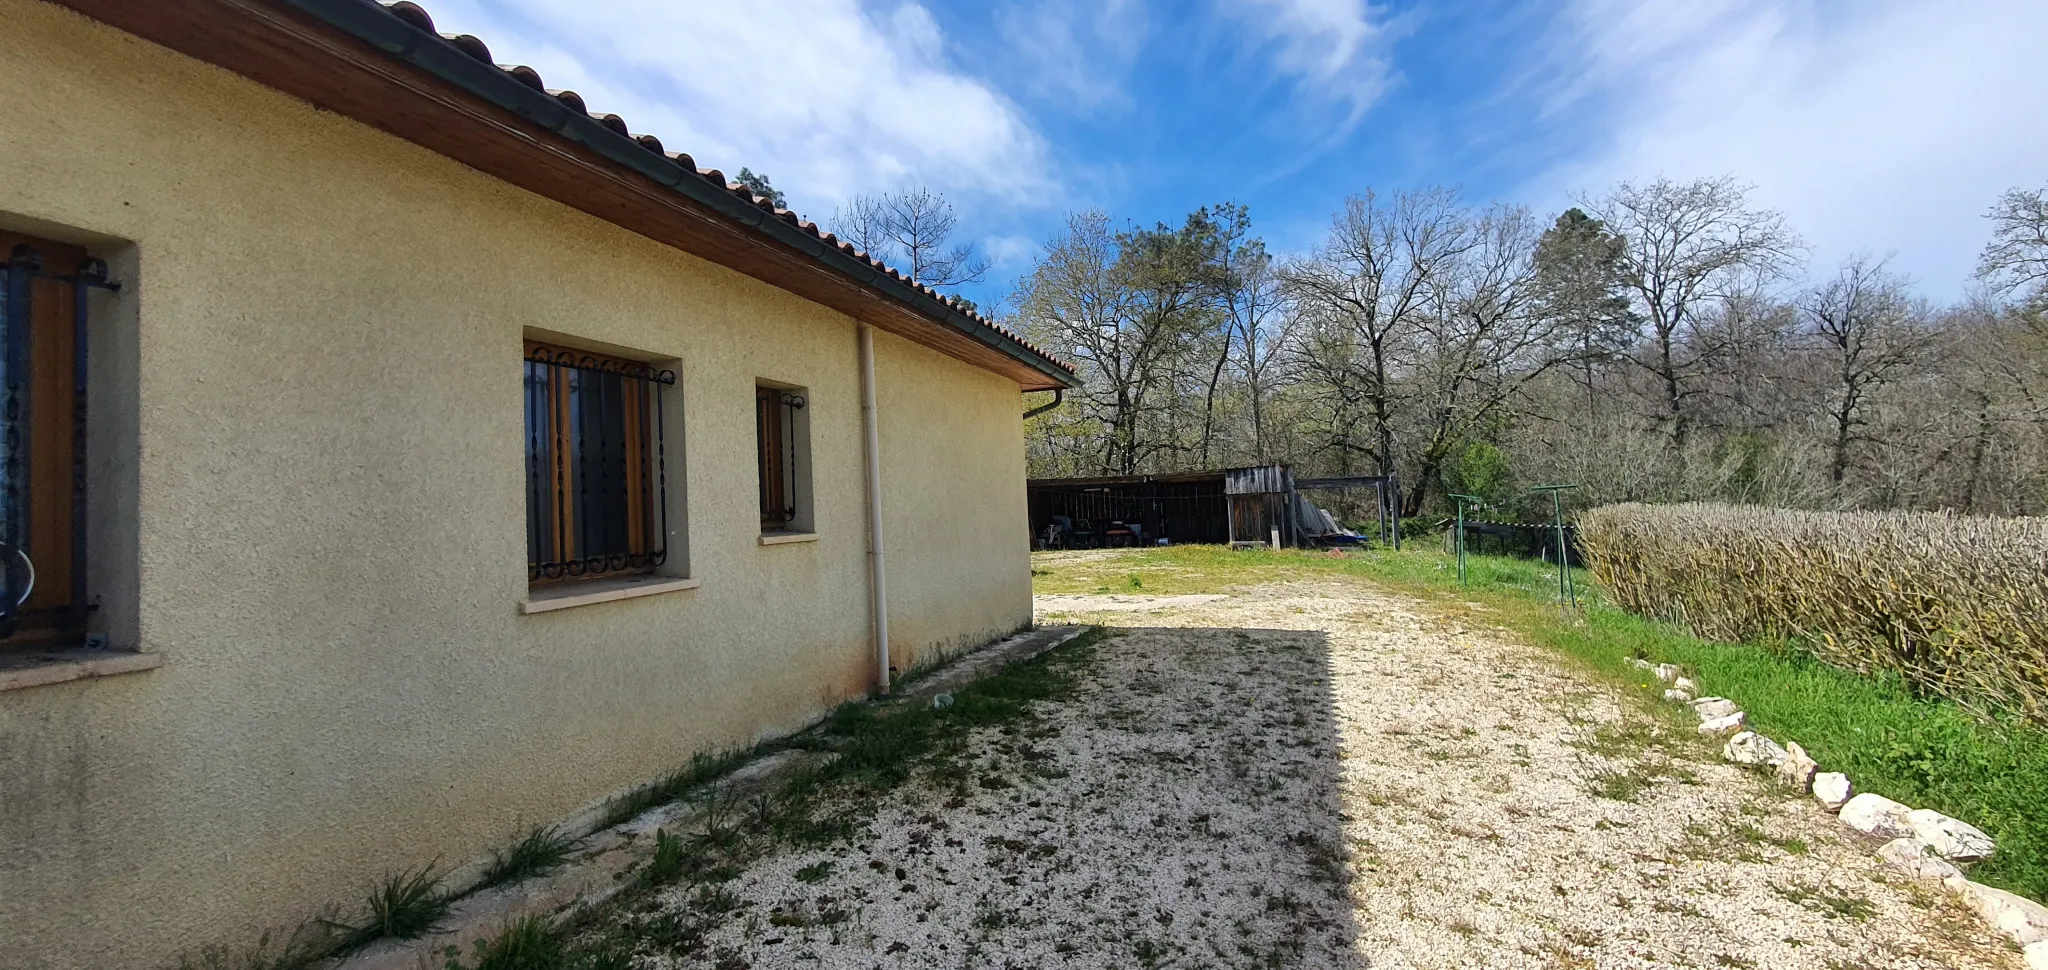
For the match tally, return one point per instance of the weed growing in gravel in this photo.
(1622, 786)
(1827, 902)
(533, 943)
(1742, 841)
(668, 859)
(816, 872)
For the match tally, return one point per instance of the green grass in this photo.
(542, 851)
(406, 905)
(533, 943)
(702, 769)
(1988, 770)
(310, 946)
(1926, 752)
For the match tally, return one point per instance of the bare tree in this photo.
(1074, 303)
(1484, 343)
(1125, 306)
(2016, 259)
(1688, 245)
(1870, 333)
(1644, 349)
(1255, 311)
(1365, 294)
(911, 229)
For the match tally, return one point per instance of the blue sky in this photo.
(1878, 126)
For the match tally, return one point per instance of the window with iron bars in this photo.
(44, 290)
(596, 483)
(782, 432)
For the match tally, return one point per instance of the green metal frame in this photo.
(1566, 592)
(1461, 500)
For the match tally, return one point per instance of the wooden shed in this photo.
(1253, 504)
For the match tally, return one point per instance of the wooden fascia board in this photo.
(548, 149)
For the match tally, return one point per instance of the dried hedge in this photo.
(1957, 605)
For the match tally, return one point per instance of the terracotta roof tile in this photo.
(471, 45)
(417, 17)
(412, 13)
(526, 75)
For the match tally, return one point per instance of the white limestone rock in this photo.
(1751, 748)
(2022, 920)
(1950, 838)
(1668, 672)
(1687, 684)
(1641, 664)
(1674, 694)
(2037, 955)
(1797, 770)
(1914, 858)
(1877, 815)
(1709, 708)
(1734, 723)
(1832, 790)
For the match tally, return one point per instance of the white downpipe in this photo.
(871, 424)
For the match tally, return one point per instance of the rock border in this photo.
(1922, 843)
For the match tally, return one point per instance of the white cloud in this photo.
(1010, 254)
(1878, 125)
(1077, 51)
(1336, 50)
(828, 97)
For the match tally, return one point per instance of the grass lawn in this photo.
(1929, 753)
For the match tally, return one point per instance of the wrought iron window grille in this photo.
(775, 419)
(18, 402)
(596, 468)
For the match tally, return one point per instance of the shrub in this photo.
(1958, 606)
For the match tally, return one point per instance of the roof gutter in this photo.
(371, 24)
(1058, 394)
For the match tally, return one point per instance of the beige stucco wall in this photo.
(323, 327)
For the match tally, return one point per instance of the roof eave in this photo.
(369, 24)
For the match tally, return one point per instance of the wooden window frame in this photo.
(596, 476)
(43, 419)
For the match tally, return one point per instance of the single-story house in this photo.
(405, 455)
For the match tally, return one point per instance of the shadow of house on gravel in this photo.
(1214, 821)
(1147, 797)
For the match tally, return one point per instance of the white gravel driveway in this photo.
(1320, 775)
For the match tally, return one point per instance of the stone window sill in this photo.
(36, 668)
(784, 538)
(550, 598)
